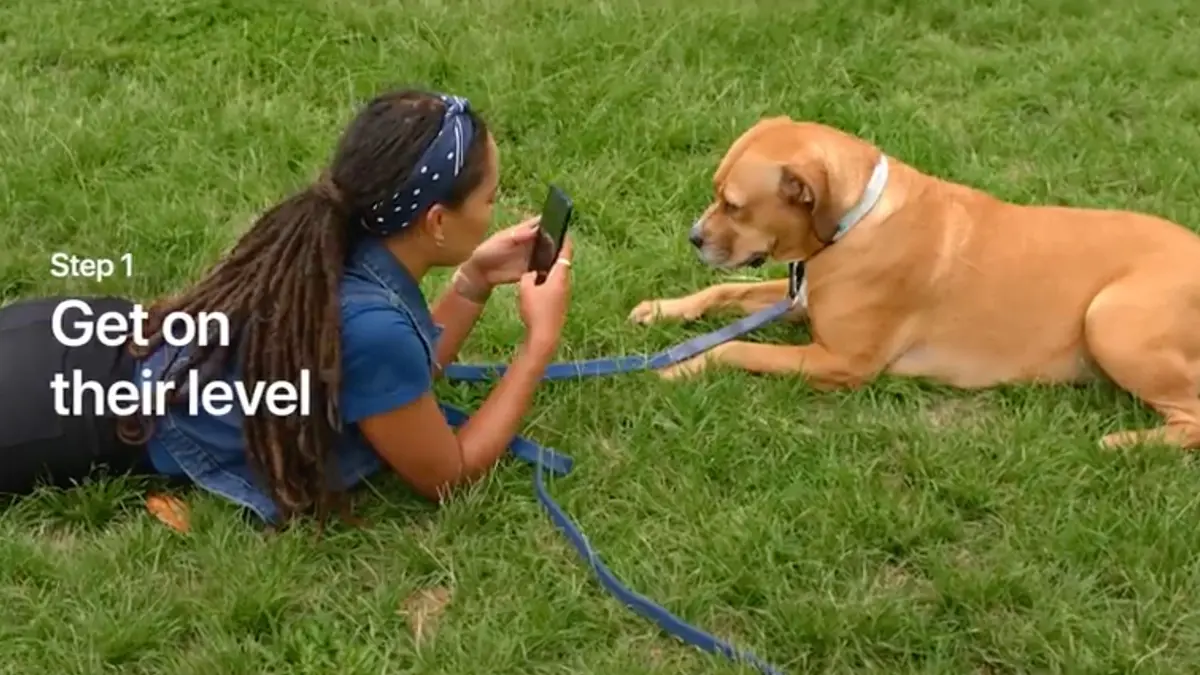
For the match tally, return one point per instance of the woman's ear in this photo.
(434, 223)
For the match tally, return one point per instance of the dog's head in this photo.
(773, 198)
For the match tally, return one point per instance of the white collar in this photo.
(870, 197)
(797, 282)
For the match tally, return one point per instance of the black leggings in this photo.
(37, 445)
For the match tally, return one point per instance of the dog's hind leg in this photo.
(747, 298)
(1144, 337)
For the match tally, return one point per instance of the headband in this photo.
(434, 175)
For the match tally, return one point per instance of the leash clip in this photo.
(796, 283)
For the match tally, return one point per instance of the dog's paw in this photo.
(690, 368)
(1163, 436)
(647, 311)
(1118, 441)
(650, 311)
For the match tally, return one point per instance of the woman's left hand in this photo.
(504, 257)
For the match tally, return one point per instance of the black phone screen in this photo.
(556, 215)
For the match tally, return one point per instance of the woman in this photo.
(326, 281)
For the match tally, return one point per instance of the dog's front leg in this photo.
(824, 369)
(747, 297)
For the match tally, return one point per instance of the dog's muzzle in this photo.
(696, 235)
(756, 260)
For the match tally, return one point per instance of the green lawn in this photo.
(899, 529)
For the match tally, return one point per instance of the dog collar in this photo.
(870, 197)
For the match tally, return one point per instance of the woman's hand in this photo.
(503, 257)
(544, 307)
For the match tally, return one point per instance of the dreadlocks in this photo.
(279, 287)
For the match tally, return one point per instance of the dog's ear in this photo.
(806, 186)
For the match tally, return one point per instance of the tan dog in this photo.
(933, 279)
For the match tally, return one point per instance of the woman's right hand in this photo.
(544, 307)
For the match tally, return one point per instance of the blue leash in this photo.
(574, 370)
(545, 459)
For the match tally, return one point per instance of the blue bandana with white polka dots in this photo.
(433, 176)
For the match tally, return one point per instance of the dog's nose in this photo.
(695, 237)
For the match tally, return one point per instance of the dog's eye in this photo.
(732, 209)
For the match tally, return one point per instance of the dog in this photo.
(911, 275)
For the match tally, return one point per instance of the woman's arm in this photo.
(457, 310)
(403, 422)
(389, 393)
(422, 448)
(503, 258)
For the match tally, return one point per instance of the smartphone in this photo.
(552, 230)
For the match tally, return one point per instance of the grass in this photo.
(903, 528)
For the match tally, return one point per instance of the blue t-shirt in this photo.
(388, 351)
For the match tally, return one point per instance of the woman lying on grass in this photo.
(326, 281)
